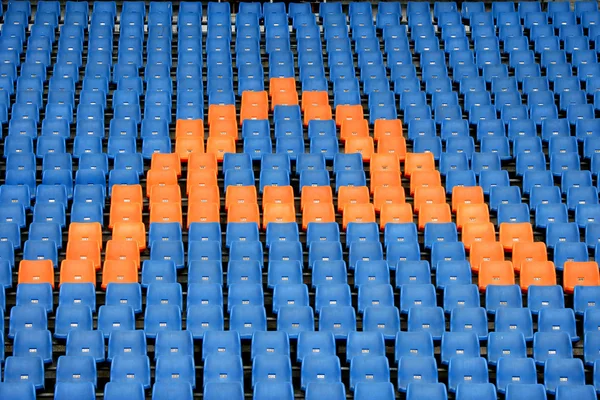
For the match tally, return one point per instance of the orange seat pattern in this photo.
(203, 212)
(470, 213)
(277, 195)
(188, 128)
(165, 194)
(478, 232)
(354, 128)
(219, 146)
(278, 213)
(385, 179)
(201, 178)
(159, 178)
(418, 162)
(127, 194)
(166, 161)
(185, 146)
(511, 233)
(77, 271)
(36, 271)
(203, 161)
(361, 213)
(243, 212)
(314, 99)
(346, 112)
(317, 112)
(119, 271)
(434, 213)
(278, 85)
(317, 212)
(429, 195)
(387, 128)
(580, 274)
(466, 195)
(124, 212)
(132, 231)
(525, 252)
(316, 195)
(495, 273)
(352, 195)
(255, 105)
(392, 145)
(84, 250)
(484, 252)
(425, 179)
(539, 273)
(388, 195)
(395, 214)
(89, 231)
(385, 162)
(240, 195)
(123, 250)
(219, 112)
(362, 145)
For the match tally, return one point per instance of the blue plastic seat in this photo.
(428, 319)
(131, 369)
(503, 196)
(553, 320)
(460, 296)
(130, 294)
(548, 345)
(417, 295)
(469, 319)
(164, 293)
(76, 369)
(509, 345)
(563, 372)
(396, 232)
(459, 344)
(400, 251)
(416, 369)
(19, 368)
(413, 344)
(285, 251)
(372, 369)
(417, 390)
(517, 391)
(447, 251)
(223, 368)
(514, 320)
(452, 273)
(86, 343)
(245, 294)
(584, 297)
(35, 294)
(471, 369)
(33, 343)
(161, 318)
(115, 318)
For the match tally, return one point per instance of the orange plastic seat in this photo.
(122, 250)
(77, 271)
(387, 128)
(219, 146)
(166, 212)
(434, 213)
(320, 113)
(203, 161)
(221, 112)
(388, 195)
(90, 231)
(418, 162)
(255, 105)
(346, 112)
(185, 146)
(385, 179)
(240, 195)
(362, 145)
(384, 162)
(205, 195)
(160, 178)
(538, 273)
(580, 274)
(201, 178)
(127, 194)
(166, 161)
(278, 85)
(466, 195)
(277, 195)
(124, 212)
(119, 271)
(84, 250)
(392, 145)
(525, 252)
(278, 213)
(352, 195)
(485, 251)
(469, 213)
(244, 212)
(361, 213)
(36, 271)
(316, 195)
(189, 128)
(429, 195)
(166, 194)
(317, 212)
(425, 179)
(132, 231)
(495, 273)
(476, 232)
(223, 129)
(287, 98)
(314, 99)
(354, 128)
(511, 233)
(396, 214)
(203, 212)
